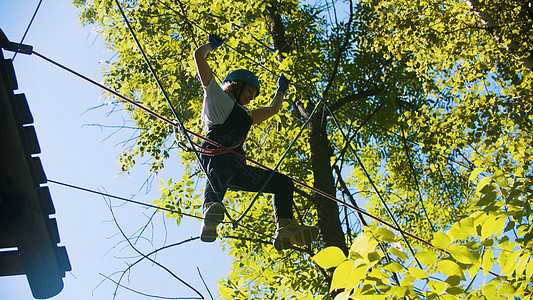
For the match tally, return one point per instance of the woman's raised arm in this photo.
(200, 54)
(261, 114)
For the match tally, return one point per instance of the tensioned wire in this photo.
(320, 192)
(279, 162)
(170, 210)
(190, 141)
(218, 145)
(28, 28)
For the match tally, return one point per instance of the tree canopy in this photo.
(421, 113)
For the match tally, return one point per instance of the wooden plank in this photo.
(10, 263)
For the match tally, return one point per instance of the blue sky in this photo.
(76, 153)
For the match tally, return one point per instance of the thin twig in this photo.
(206, 287)
(148, 258)
(144, 294)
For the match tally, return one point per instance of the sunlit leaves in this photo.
(444, 82)
(329, 257)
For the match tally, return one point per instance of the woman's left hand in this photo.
(283, 83)
(215, 41)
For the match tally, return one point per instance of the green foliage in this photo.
(474, 247)
(428, 97)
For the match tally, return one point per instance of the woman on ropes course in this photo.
(227, 122)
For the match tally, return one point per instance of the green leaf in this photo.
(393, 267)
(506, 289)
(462, 254)
(454, 290)
(399, 254)
(342, 274)
(329, 257)
(522, 263)
(441, 240)
(386, 234)
(483, 182)
(474, 173)
(463, 229)
(479, 218)
(374, 257)
(450, 268)
(487, 198)
(343, 295)
(493, 225)
(359, 274)
(427, 257)
(418, 273)
(508, 262)
(437, 286)
(363, 245)
(488, 260)
(529, 270)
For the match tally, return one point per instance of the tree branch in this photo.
(148, 258)
(354, 97)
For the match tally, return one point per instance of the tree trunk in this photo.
(328, 211)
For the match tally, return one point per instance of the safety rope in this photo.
(183, 129)
(87, 190)
(122, 198)
(28, 28)
(166, 120)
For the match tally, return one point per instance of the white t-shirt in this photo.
(217, 105)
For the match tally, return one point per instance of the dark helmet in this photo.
(244, 75)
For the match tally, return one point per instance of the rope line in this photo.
(172, 123)
(389, 212)
(144, 204)
(28, 28)
(83, 189)
(296, 181)
(123, 199)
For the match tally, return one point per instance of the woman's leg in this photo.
(219, 174)
(252, 179)
(288, 232)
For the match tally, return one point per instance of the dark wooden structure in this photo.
(28, 235)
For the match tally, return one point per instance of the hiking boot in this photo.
(213, 215)
(294, 234)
